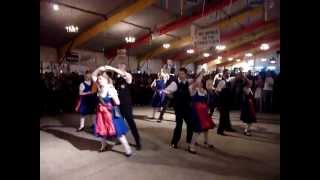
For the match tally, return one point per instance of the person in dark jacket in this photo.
(224, 104)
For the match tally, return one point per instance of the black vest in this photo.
(182, 96)
(170, 80)
(123, 89)
(225, 98)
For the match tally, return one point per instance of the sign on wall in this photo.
(205, 38)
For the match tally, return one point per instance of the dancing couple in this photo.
(190, 106)
(110, 113)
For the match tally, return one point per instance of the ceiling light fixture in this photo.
(238, 60)
(271, 67)
(166, 45)
(206, 54)
(272, 61)
(220, 47)
(72, 28)
(248, 55)
(230, 59)
(130, 39)
(264, 46)
(264, 59)
(219, 57)
(190, 51)
(55, 7)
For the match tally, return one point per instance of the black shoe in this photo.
(129, 155)
(174, 146)
(230, 130)
(247, 133)
(208, 145)
(221, 133)
(192, 151)
(80, 129)
(103, 149)
(138, 147)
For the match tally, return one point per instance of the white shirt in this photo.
(173, 87)
(268, 84)
(221, 85)
(127, 77)
(107, 90)
(193, 91)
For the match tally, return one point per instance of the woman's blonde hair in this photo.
(106, 76)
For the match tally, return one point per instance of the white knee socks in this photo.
(82, 120)
(103, 143)
(125, 144)
(154, 112)
(194, 140)
(247, 128)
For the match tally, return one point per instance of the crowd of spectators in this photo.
(59, 93)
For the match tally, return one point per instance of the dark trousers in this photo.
(211, 109)
(166, 103)
(126, 112)
(180, 116)
(224, 120)
(267, 101)
(212, 102)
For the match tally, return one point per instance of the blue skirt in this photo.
(119, 123)
(158, 99)
(88, 105)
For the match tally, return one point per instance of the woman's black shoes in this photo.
(80, 129)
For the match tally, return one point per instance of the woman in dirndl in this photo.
(248, 113)
(109, 122)
(87, 100)
(158, 97)
(201, 119)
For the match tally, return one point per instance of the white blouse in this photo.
(107, 90)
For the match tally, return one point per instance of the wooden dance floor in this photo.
(69, 155)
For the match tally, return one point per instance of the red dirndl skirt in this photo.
(206, 122)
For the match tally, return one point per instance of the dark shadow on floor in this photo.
(79, 142)
(160, 132)
(237, 167)
(259, 135)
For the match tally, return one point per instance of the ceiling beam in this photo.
(83, 37)
(179, 23)
(242, 48)
(76, 8)
(221, 24)
(101, 15)
(256, 51)
(229, 36)
(237, 42)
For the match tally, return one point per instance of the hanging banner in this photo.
(205, 38)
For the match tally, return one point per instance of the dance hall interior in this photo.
(159, 89)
